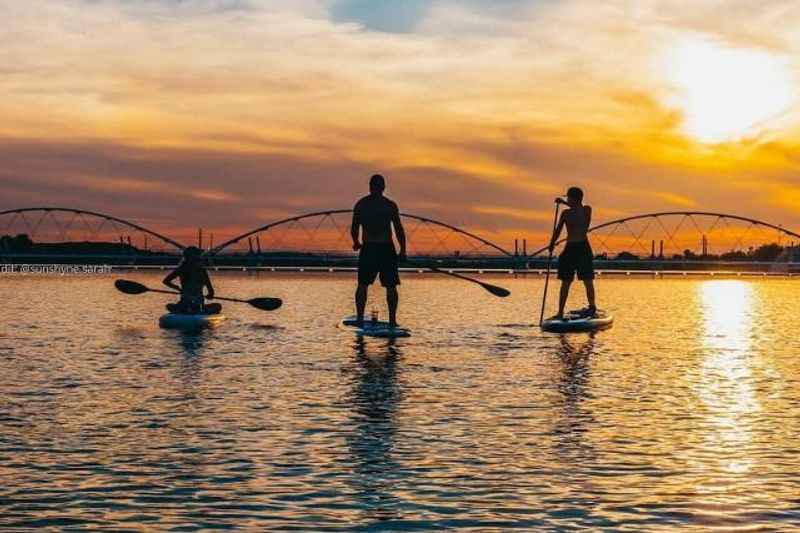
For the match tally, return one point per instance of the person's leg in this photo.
(590, 296)
(213, 308)
(361, 302)
(390, 278)
(562, 297)
(367, 272)
(392, 299)
(566, 273)
(586, 274)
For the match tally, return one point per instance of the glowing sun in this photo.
(725, 93)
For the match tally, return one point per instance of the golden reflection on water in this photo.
(727, 368)
(373, 401)
(684, 415)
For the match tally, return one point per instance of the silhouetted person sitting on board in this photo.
(577, 255)
(193, 278)
(375, 215)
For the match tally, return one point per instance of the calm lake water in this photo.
(685, 414)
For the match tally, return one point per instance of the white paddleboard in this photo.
(377, 328)
(574, 322)
(189, 322)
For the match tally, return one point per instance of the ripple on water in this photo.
(685, 414)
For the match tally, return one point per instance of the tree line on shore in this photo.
(765, 253)
(22, 243)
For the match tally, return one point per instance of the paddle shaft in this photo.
(491, 288)
(215, 297)
(454, 274)
(549, 260)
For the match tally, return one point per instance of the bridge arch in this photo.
(75, 220)
(716, 219)
(322, 215)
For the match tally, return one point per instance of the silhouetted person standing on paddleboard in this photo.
(375, 215)
(193, 279)
(577, 256)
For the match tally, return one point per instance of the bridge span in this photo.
(658, 236)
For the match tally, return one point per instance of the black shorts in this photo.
(377, 259)
(576, 257)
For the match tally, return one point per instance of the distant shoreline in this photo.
(652, 269)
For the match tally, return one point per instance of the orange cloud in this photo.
(477, 117)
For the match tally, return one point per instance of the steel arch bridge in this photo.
(672, 233)
(426, 236)
(663, 234)
(53, 225)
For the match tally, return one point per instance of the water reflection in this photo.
(191, 342)
(682, 416)
(725, 386)
(374, 399)
(190, 363)
(573, 385)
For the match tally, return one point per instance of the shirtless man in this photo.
(375, 215)
(577, 255)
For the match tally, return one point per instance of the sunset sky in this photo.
(228, 114)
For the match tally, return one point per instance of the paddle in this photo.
(549, 260)
(132, 287)
(494, 289)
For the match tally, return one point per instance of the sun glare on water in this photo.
(727, 94)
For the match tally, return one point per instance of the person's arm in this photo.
(588, 217)
(168, 281)
(354, 227)
(209, 286)
(401, 234)
(557, 232)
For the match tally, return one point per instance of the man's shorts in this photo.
(378, 258)
(576, 257)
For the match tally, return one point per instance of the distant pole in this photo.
(258, 244)
(653, 249)
(661, 250)
(525, 247)
(200, 238)
(516, 247)
(250, 244)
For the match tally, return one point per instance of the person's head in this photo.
(574, 196)
(377, 184)
(192, 254)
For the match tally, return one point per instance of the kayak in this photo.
(189, 322)
(374, 328)
(574, 322)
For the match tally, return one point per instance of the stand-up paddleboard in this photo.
(574, 322)
(374, 328)
(190, 322)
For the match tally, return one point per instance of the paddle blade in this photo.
(497, 291)
(130, 287)
(266, 304)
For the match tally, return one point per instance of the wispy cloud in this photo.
(480, 111)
